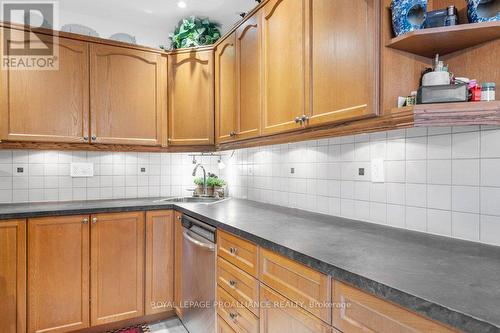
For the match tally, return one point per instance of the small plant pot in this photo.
(210, 191)
(198, 191)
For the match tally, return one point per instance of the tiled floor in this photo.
(169, 326)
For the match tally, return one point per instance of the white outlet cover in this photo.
(378, 172)
(80, 170)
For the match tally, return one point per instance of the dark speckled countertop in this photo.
(451, 281)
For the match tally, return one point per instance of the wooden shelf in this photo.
(457, 114)
(445, 40)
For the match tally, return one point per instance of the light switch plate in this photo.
(378, 172)
(79, 170)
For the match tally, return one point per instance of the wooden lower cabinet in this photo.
(13, 276)
(58, 274)
(237, 251)
(278, 314)
(361, 312)
(159, 261)
(117, 267)
(223, 327)
(236, 314)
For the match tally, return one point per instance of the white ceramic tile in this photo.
(439, 196)
(347, 151)
(439, 147)
(20, 156)
(395, 171)
(462, 129)
(396, 134)
(347, 208)
(416, 132)
(416, 218)
(439, 172)
(490, 144)
(439, 222)
(465, 172)
(5, 183)
(396, 216)
(465, 226)
(438, 130)
(5, 157)
(416, 172)
(396, 149)
(378, 192)
(396, 193)
(5, 196)
(490, 172)
(416, 195)
(6, 170)
(490, 229)
(347, 189)
(416, 148)
(378, 149)
(465, 199)
(378, 212)
(465, 145)
(362, 191)
(362, 210)
(490, 199)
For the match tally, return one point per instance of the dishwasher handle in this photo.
(189, 236)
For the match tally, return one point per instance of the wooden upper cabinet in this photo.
(58, 274)
(159, 261)
(117, 267)
(191, 98)
(344, 59)
(47, 105)
(13, 276)
(285, 30)
(126, 98)
(225, 90)
(249, 77)
(276, 316)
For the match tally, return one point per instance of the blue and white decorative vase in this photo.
(408, 15)
(483, 10)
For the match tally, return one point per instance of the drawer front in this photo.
(359, 312)
(237, 251)
(223, 327)
(278, 314)
(301, 284)
(236, 315)
(243, 287)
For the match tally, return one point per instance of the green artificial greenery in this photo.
(198, 181)
(193, 31)
(215, 182)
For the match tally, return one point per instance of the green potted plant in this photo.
(193, 32)
(216, 185)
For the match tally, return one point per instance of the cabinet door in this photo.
(47, 105)
(285, 30)
(360, 312)
(178, 263)
(344, 60)
(225, 90)
(223, 327)
(159, 261)
(125, 96)
(13, 276)
(249, 77)
(58, 274)
(191, 98)
(117, 267)
(276, 318)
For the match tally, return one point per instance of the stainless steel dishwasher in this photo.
(198, 276)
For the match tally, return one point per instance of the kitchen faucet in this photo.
(204, 177)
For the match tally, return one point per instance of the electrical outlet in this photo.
(79, 170)
(361, 171)
(378, 172)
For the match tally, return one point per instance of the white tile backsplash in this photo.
(443, 181)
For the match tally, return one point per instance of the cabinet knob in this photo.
(94, 137)
(233, 316)
(85, 221)
(85, 138)
(304, 118)
(94, 220)
(232, 134)
(232, 283)
(179, 217)
(233, 250)
(298, 120)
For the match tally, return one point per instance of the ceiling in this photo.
(160, 16)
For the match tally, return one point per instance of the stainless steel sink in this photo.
(203, 200)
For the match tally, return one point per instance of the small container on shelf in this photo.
(488, 91)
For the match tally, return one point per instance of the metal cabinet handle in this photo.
(85, 138)
(233, 250)
(298, 120)
(94, 220)
(304, 118)
(94, 137)
(232, 134)
(179, 217)
(232, 283)
(85, 221)
(233, 315)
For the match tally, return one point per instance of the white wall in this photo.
(438, 180)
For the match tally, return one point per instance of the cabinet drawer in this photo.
(240, 285)
(237, 251)
(235, 314)
(278, 314)
(301, 284)
(363, 312)
(223, 327)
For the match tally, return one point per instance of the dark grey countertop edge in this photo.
(432, 310)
